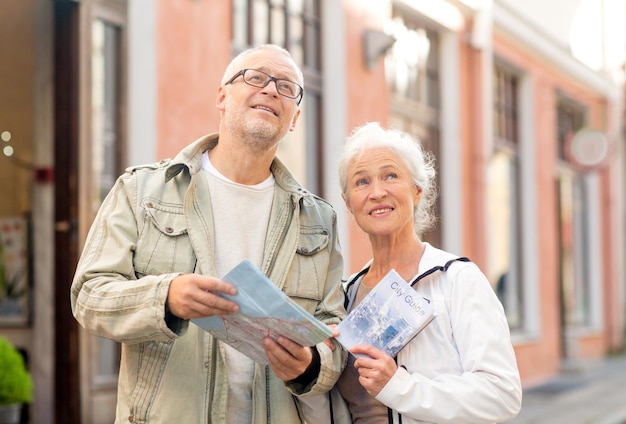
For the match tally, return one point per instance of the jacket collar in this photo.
(432, 257)
(190, 158)
(432, 260)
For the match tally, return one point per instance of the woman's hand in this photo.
(375, 370)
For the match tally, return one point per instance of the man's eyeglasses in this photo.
(260, 79)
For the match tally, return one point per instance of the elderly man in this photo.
(167, 231)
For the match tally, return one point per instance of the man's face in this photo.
(260, 114)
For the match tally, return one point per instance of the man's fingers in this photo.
(330, 344)
(195, 296)
(214, 285)
(287, 358)
(214, 302)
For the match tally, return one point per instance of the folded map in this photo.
(264, 311)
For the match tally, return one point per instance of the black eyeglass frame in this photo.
(270, 78)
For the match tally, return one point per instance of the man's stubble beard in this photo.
(257, 133)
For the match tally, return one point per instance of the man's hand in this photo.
(287, 358)
(196, 296)
(329, 342)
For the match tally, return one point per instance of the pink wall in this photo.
(193, 41)
(542, 358)
(473, 160)
(367, 95)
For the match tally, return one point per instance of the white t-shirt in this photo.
(240, 216)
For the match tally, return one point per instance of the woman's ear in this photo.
(418, 194)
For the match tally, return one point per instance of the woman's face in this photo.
(380, 193)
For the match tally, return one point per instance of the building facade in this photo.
(525, 118)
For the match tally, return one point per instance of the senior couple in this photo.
(166, 233)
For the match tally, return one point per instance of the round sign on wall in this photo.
(587, 149)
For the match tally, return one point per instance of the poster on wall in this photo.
(14, 275)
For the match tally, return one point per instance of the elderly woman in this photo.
(461, 368)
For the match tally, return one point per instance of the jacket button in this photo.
(169, 230)
(149, 205)
(131, 418)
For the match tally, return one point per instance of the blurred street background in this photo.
(521, 103)
(585, 392)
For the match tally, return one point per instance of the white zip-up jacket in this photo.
(461, 368)
(155, 224)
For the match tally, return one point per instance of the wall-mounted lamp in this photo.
(9, 152)
(375, 45)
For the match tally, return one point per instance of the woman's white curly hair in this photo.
(419, 163)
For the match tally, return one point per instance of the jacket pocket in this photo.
(163, 245)
(307, 277)
(152, 358)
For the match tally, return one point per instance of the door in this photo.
(66, 135)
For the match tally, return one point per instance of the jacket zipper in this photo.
(268, 271)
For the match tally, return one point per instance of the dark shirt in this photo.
(363, 407)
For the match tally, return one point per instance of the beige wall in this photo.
(16, 104)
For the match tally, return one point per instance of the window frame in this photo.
(95, 350)
(301, 150)
(506, 143)
(420, 116)
(571, 116)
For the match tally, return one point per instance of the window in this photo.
(105, 121)
(105, 147)
(412, 72)
(295, 25)
(573, 198)
(505, 270)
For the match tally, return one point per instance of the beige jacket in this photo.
(155, 224)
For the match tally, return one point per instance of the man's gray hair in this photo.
(234, 67)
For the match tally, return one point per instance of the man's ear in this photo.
(346, 200)
(294, 120)
(221, 97)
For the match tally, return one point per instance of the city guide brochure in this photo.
(264, 311)
(388, 317)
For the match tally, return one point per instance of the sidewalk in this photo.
(584, 393)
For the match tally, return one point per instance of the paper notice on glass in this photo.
(388, 317)
(264, 311)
